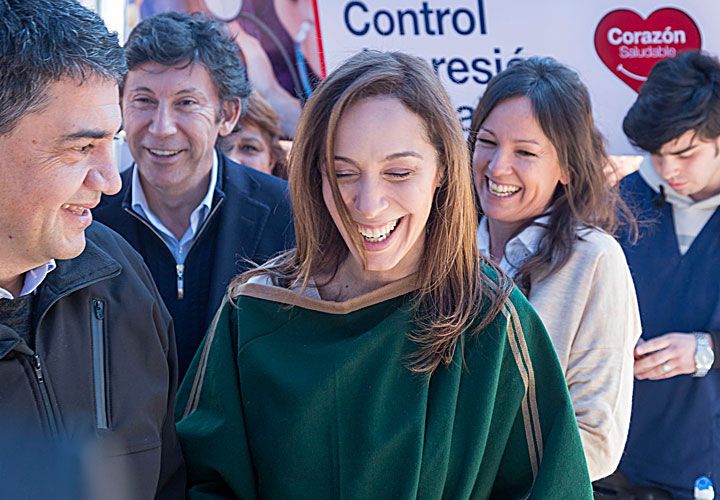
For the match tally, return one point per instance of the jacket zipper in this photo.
(180, 272)
(179, 268)
(97, 330)
(35, 358)
(37, 367)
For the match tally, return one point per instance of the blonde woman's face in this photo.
(387, 173)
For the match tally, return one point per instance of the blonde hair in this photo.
(451, 296)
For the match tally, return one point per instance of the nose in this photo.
(666, 166)
(103, 175)
(370, 198)
(499, 164)
(163, 122)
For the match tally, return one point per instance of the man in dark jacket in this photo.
(676, 269)
(195, 216)
(87, 353)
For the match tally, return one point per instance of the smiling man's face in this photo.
(172, 117)
(55, 165)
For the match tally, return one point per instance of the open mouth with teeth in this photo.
(75, 209)
(164, 153)
(378, 234)
(501, 190)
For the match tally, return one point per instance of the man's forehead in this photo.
(73, 107)
(159, 78)
(684, 141)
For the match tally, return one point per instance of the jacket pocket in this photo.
(99, 363)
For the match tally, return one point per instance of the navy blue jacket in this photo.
(250, 220)
(675, 427)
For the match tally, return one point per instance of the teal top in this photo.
(291, 397)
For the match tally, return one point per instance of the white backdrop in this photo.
(480, 36)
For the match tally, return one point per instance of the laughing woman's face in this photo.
(387, 173)
(516, 166)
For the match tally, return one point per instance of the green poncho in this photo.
(315, 401)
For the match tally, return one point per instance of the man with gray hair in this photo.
(87, 349)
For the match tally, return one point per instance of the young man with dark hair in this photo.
(87, 351)
(196, 217)
(676, 268)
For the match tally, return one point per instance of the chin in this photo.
(70, 249)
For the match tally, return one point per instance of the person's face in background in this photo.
(55, 164)
(294, 15)
(386, 171)
(249, 146)
(515, 165)
(690, 165)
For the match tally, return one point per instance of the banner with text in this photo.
(612, 44)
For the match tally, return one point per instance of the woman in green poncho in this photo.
(382, 358)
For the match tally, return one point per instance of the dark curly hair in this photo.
(179, 39)
(680, 94)
(43, 41)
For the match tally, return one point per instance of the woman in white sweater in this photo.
(549, 216)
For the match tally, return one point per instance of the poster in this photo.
(469, 41)
(291, 44)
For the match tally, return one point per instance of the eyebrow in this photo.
(189, 90)
(394, 156)
(142, 89)
(88, 134)
(682, 151)
(528, 141)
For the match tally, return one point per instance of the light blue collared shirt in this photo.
(179, 248)
(33, 279)
(518, 249)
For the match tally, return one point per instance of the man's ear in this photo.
(231, 109)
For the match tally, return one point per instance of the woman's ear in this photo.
(439, 178)
(564, 177)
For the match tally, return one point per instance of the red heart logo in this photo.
(630, 45)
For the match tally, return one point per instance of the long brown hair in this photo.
(562, 107)
(451, 296)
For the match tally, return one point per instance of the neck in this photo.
(500, 234)
(352, 280)
(11, 282)
(174, 207)
(13, 269)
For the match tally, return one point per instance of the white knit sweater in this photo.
(590, 310)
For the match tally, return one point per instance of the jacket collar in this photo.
(11, 341)
(91, 266)
(243, 214)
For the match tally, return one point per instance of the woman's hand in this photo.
(665, 356)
